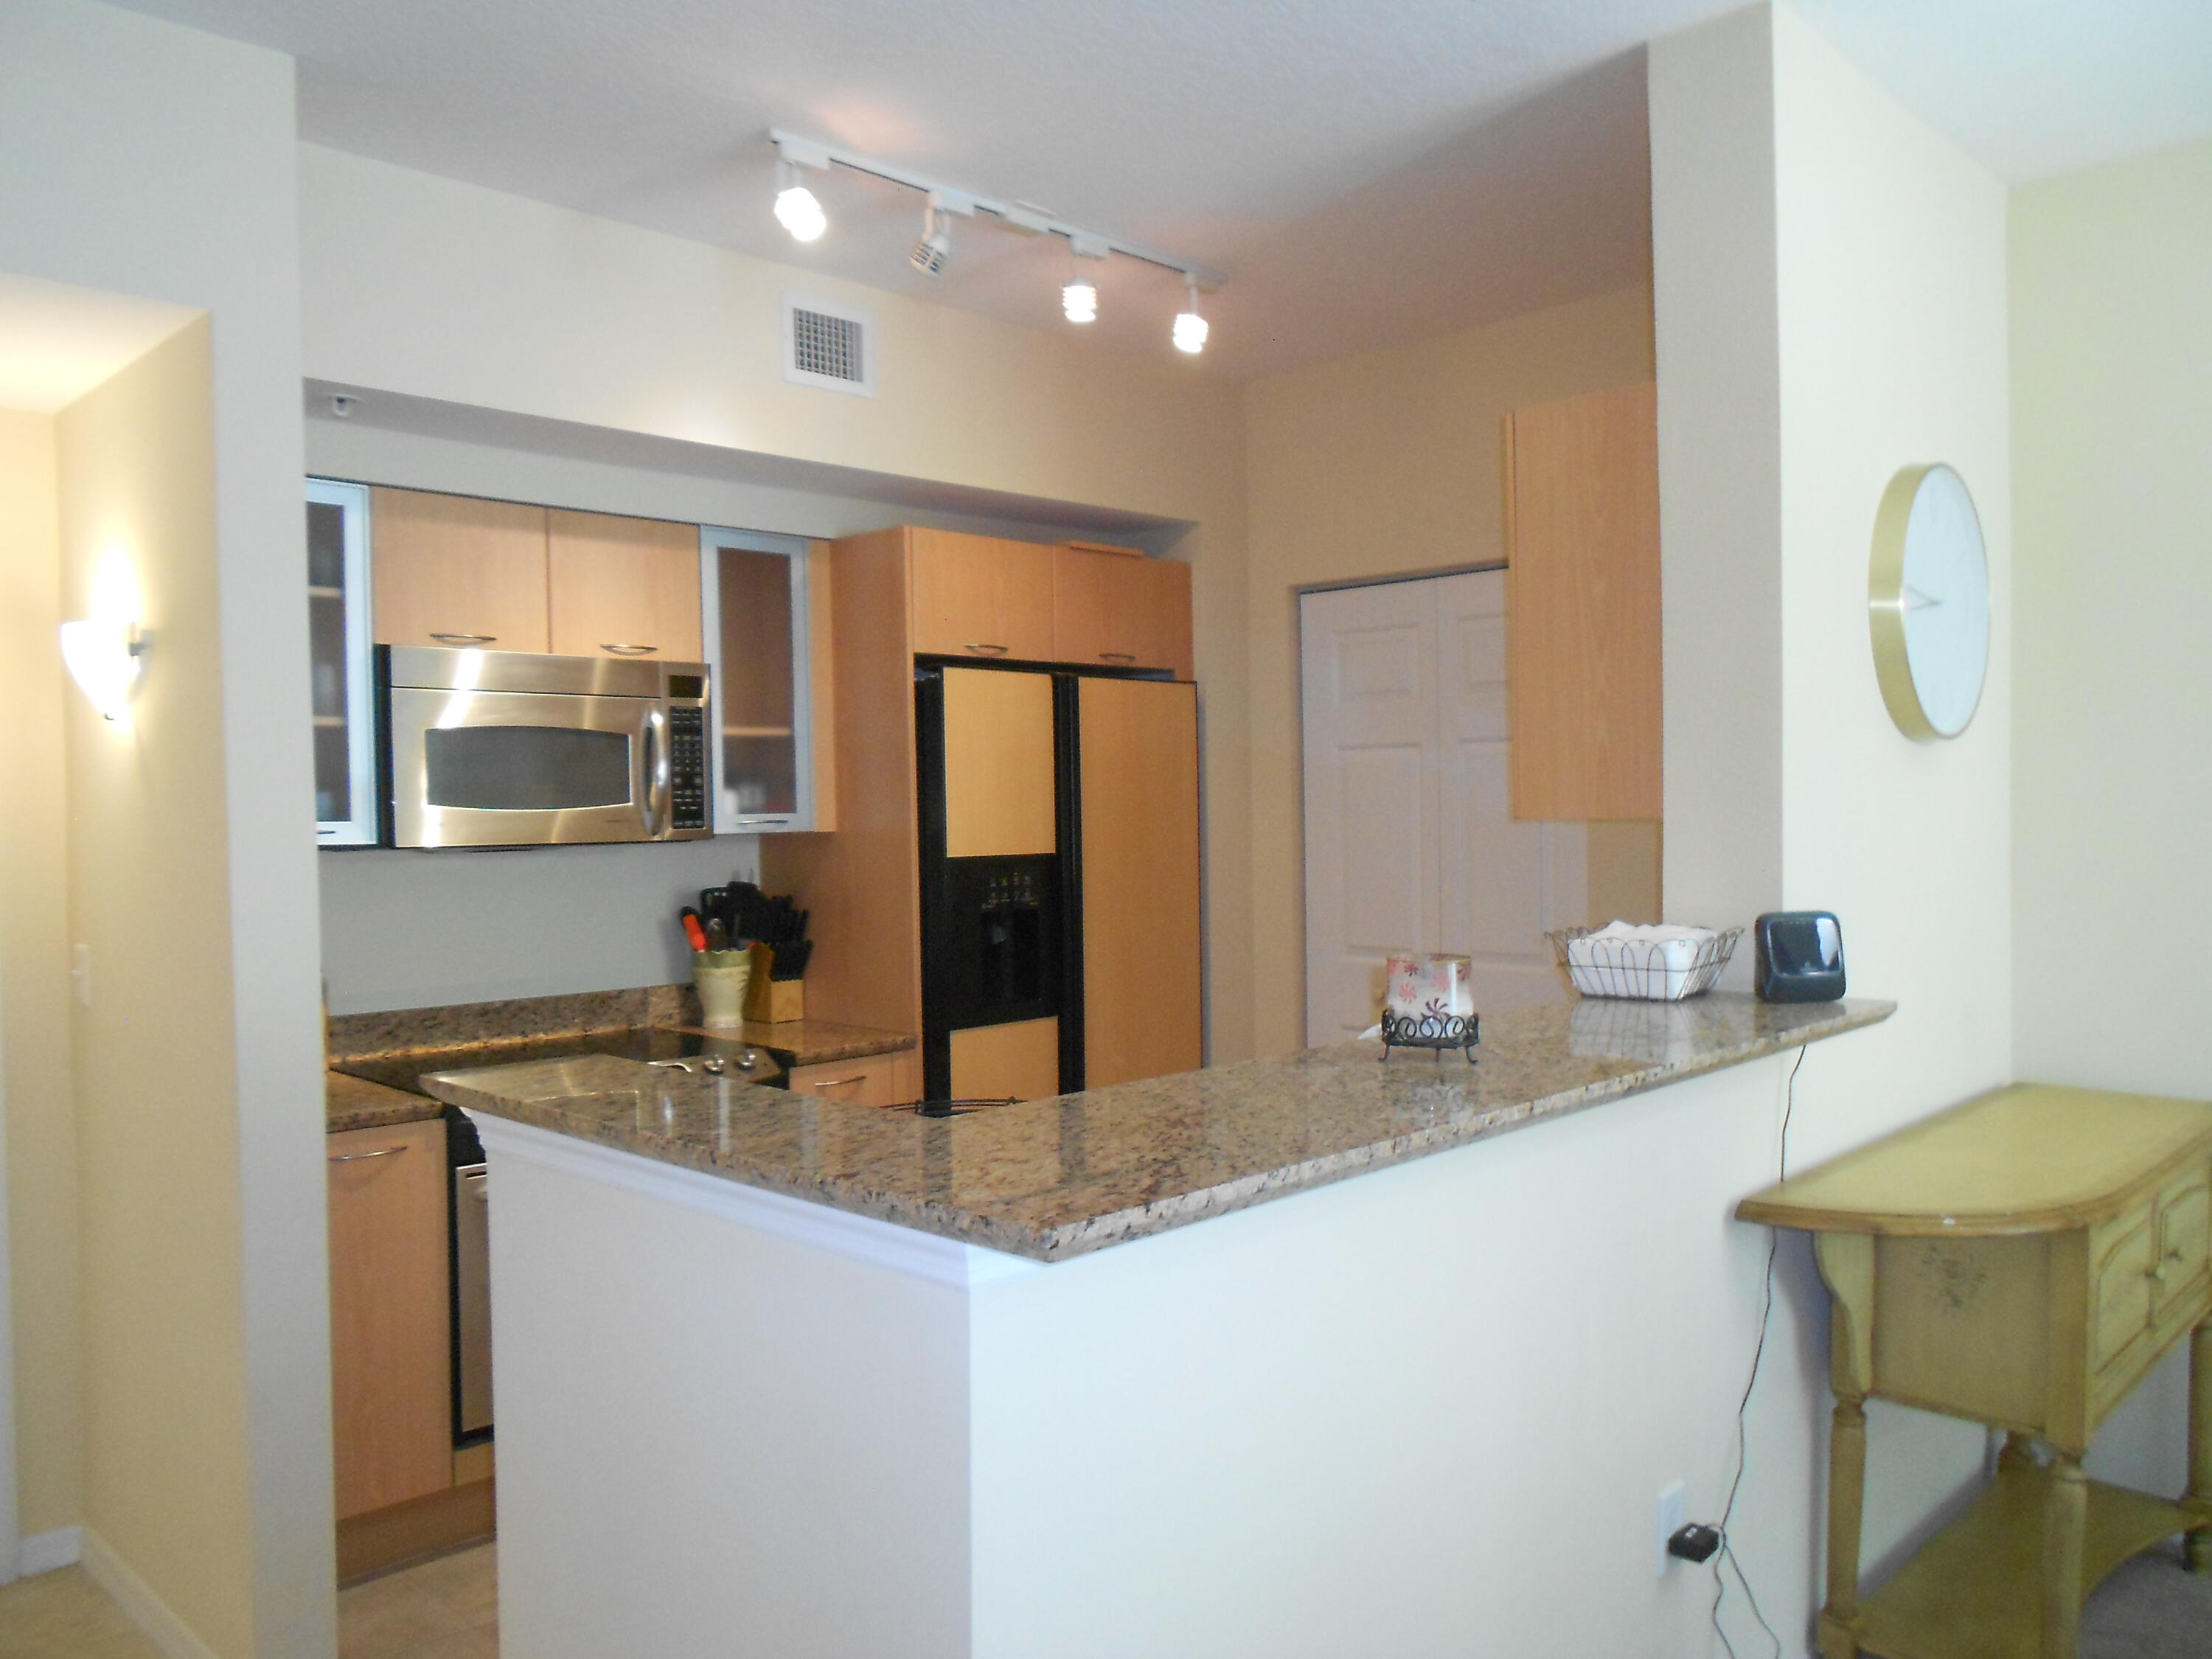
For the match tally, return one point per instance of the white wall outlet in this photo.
(80, 973)
(1672, 1512)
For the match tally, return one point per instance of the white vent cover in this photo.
(829, 345)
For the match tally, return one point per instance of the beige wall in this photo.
(34, 1005)
(421, 285)
(2112, 337)
(152, 161)
(1386, 464)
(166, 1457)
(1830, 275)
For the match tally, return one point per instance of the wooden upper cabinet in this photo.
(1582, 606)
(391, 1364)
(1116, 610)
(976, 596)
(452, 570)
(622, 587)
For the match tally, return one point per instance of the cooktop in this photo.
(403, 1071)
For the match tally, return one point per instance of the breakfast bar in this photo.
(1160, 1368)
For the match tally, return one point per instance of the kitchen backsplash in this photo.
(402, 1030)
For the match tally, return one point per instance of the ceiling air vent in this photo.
(827, 344)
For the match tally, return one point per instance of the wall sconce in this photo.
(105, 658)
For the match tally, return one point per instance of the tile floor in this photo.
(446, 1607)
(443, 1608)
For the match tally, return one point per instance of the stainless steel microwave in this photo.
(514, 749)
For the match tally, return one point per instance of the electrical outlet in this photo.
(1672, 1511)
(80, 973)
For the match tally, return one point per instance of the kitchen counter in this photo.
(1053, 1179)
(799, 1043)
(350, 1103)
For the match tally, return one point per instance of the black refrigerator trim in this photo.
(929, 794)
(1067, 789)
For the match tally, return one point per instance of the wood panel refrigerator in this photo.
(1060, 880)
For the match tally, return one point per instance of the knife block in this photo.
(773, 1001)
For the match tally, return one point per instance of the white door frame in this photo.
(11, 1542)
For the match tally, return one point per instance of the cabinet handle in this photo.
(363, 1157)
(465, 639)
(627, 650)
(837, 1082)
(973, 646)
(2158, 1273)
(1117, 656)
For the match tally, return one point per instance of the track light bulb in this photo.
(800, 213)
(935, 247)
(796, 208)
(1190, 329)
(1078, 300)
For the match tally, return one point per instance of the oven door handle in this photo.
(655, 806)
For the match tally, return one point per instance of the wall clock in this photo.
(1928, 602)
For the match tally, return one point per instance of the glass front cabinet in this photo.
(756, 590)
(339, 645)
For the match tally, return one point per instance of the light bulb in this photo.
(1078, 300)
(799, 212)
(1189, 331)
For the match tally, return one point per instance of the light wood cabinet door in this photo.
(1115, 612)
(1017, 1061)
(622, 587)
(877, 1080)
(1582, 606)
(977, 596)
(391, 1364)
(452, 570)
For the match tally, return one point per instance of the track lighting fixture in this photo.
(801, 214)
(1190, 330)
(935, 247)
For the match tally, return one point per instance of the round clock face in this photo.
(1928, 602)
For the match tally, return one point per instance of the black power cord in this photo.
(1743, 1407)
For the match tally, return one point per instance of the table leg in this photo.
(2198, 1546)
(2065, 1511)
(1839, 1619)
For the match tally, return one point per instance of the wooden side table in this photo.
(2022, 1261)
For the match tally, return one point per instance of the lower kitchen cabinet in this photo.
(877, 1080)
(390, 1360)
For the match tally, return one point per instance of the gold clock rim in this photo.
(1892, 666)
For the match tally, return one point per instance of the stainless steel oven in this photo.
(513, 749)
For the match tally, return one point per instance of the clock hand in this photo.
(1916, 600)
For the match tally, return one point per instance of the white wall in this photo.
(1850, 302)
(2112, 337)
(1425, 1413)
(150, 160)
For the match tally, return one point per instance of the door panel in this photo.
(1138, 763)
(1409, 842)
(622, 587)
(996, 1062)
(998, 777)
(455, 571)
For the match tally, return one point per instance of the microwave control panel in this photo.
(687, 768)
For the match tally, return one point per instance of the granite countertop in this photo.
(1051, 1179)
(799, 1042)
(352, 1102)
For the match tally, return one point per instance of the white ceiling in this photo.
(1364, 171)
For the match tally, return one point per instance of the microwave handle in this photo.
(656, 806)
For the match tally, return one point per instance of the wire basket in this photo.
(1646, 970)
